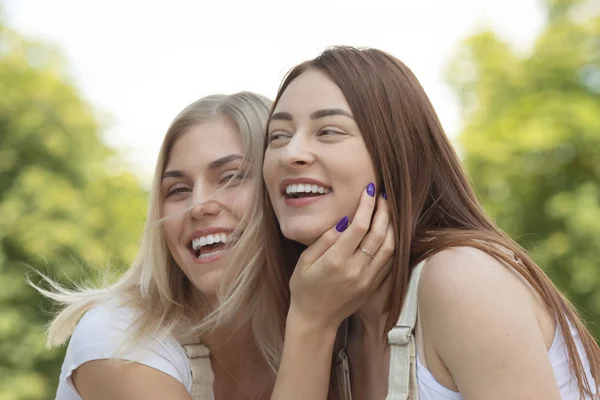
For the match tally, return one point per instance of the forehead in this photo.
(204, 143)
(310, 91)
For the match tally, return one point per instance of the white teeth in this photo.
(208, 240)
(306, 188)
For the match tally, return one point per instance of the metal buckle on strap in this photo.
(400, 335)
(193, 351)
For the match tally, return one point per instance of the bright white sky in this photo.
(139, 62)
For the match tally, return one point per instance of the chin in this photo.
(207, 284)
(304, 235)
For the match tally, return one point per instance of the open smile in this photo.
(210, 247)
(303, 191)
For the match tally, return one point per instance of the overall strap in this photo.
(342, 366)
(202, 373)
(402, 379)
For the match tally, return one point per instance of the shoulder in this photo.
(103, 317)
(106, 331)
(477, 317)
(470, 293)
(463, 273)
(106, 324)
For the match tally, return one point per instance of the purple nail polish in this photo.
(371, 189)
(384, 194)
(342, 225)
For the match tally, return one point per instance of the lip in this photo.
(290, 181)
(304, 201)
(210, 259)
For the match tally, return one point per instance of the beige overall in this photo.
(402, 380)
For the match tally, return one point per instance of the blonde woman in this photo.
(201, 199)
(194, 315)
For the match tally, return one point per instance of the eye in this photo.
(177, 190)
(278, 135)
(235, 177)
(329, 132)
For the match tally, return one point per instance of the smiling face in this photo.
(316, 164)
(206, 172)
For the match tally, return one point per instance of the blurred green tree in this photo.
(531, 143)
(65, 209)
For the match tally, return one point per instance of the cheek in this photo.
(350, 179)
(351, 167)
(173, 222)
(270, 169)
(171, 232)
(358, 162)
(239, 201)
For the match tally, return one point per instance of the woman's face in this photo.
(316, 163)
(201, 162)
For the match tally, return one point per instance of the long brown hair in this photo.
(432, 204)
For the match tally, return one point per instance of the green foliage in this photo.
(62, 210)
(531, 144)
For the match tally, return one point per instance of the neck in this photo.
(231, 344)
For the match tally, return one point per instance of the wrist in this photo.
(301, 325)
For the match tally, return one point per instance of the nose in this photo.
(205, 209)
(203, 205)
(297, 152)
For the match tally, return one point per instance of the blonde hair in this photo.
(154, 285)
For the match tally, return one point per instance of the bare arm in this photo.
(479, 317)
(105, 379)
(306, 362)
(332, 279)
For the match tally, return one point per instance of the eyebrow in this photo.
(173, 174)
(328, 112)
(286, 116)
(218, 163)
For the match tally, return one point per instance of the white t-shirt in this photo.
(100, 334)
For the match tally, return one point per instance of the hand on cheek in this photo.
(337, 274)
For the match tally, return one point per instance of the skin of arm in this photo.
(306, 360)
(479, 319)
(112, 379)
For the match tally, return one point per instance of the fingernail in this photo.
(342, 225)
(371, 189)
(384, 194)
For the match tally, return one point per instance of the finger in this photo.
(378, 231)
(351, 238)
(381, 264)
(324, 242)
